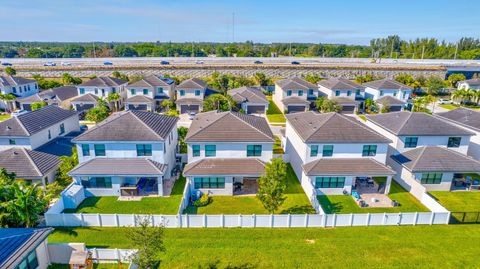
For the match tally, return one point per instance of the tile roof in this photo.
(294, 100)
(345, 100)
(436, 159)
(14, 81)
(386, 84)
(332, 127)
(248, 94)
(34, 121)
(466, 117)
(28, 163)
(295, 83)
(347, 166)
(104, 82)
(390, 100)
(340, 84)
(415, 123)
(61, 94)
(216, 126)
(17, 243)
(152, 81)
(225, 166)
(89, 97)
(65, 92)
(192, 83)
(139, 99)
(471, 82)
(189, 101)
(131, 125)
(119, 166)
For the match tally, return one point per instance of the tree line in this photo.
(389, 47)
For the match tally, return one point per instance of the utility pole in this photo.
(423, 51)
(290, 50)
(94, 57)
(193, 53)
(391, 51)
(456, 50)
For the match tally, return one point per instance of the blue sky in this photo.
(334, 21)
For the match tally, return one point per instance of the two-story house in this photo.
(190, 95)
(388, 92)
(332, 153)
(36, 128)
(100, 87)
(294, 94)
(60, 96)
(250, 99)
(30, 165)
(347, 93)
(148, 93)
(131, 153)
(18, 86)
(227, 152)
(469, 84)
(470, 120)
(437, 146)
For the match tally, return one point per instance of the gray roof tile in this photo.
(103, 82)
(347, 166)
(466, 117)
(28, 163)
(14, 81)
(295, 100)
(119, 166)
(386, 84)
(248, 94)
(89, 97)
(390, 100)
(340, 84)
(152, 81)
(225, 166)
(295, 83)
(192, 83)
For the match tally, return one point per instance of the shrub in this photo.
(203, 201)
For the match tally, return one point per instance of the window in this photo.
(209, 182)
(197, 92)
(103, 92)
(289, 93)
(144, 150)
(357, 92)
(49, 134)
(30, 262)
(329, 182)
(411, 142)
(85, 149)
(431, 178)
(133, 91)
(454, 142)
(114, 90)
(369, 150)
(12, 142)
(300, 93)
(36, 86)
(395, 94)
(210, 150)
(310, 92)
(313, 150)
(99, 149)
(145, 91)
(337, 93)
(82, 90)
(160, 90)
(404, 95)
(62, 128)
(29, 89)
(196, 150)
(14, 90)
(381, 93)
(98, 182)
(349, 93)
(182, 92)
(96, 91)
(327, 150)
(254, 150)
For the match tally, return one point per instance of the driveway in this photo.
(435, 108)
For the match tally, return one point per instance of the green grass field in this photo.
(277, 147)
(273, 113)
(438, 246)
(296, 202)
(459, 201)
(345, 204)
(95, 266)
(4, 117)
(148, 205)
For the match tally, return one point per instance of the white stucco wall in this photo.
(190, 93)
(227, 191)
(231, 150)
(375, 94)
(330, 93)
(152, 91)
(117, 182)
(466, 85)
(97, 90)
(349, 150)
(474, 147)
(23, 142)
(43, 255)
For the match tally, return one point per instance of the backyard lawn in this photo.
(277, 147)
(148, 205)
(458, 201)
(345, 204)
(296, 202)
(273, 113)
(95, 266)
(422, 246)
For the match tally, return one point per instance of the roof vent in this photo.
(15, 153)
(9, 128)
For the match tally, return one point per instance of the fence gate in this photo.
(464, 217)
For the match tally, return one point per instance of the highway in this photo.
(240, 61)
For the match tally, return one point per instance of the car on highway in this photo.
(18, 112)
(164, 62)
(295, 62)
(6, 64)
(66, 64)
(49, 64)
(258, 62)
(107, 63)
(199, 62)
(445, 102)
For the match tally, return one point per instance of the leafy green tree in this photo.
(261, 79)
(271, 185)
(149, 242)
(9, 100)
(114, 98)
(136, 77)
(325, 105)
(68, 79)
(182, 133)
(167, 105)
(117, 74)
(453, 79)
(218, 102)
(385, 107)
(314, 79)
(434, 85)
(10, 71)
(219, 81)
(38, 105)
(319, 102)
(67, 164)
(97, 113)
(28, 203)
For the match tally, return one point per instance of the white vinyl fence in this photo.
(60, 253)
(185, 198)
(249, 221)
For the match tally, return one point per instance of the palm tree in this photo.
(476, 96)
(27, 205)
(114, 97)
(458, 94)
(9, 100)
